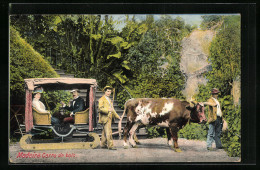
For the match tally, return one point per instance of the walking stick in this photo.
(112, 102)
(119, 124)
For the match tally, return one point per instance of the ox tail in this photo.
(120, 123)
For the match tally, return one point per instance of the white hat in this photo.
(77, 90)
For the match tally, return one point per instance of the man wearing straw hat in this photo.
(214, 120)
(106, 114)
(38, 105)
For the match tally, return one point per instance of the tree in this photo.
(155, 60)
(225, 56)
(85, 45)
(211, 21)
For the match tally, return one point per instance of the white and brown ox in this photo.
(164, 112)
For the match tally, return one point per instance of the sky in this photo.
(189, 19)
(192, 19)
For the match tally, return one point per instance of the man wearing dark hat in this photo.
(106, 114)
(78, 105)
(214, 120)
(39, 106)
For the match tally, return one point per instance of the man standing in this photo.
(78, 105)
(214, 120)
(39, 106)
(106, 113)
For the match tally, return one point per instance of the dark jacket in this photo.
(78, 106)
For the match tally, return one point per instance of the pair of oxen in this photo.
(171, 113)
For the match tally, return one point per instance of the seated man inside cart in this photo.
(39, 106)
(77, 105)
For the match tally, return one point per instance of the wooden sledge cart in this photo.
(85, 121)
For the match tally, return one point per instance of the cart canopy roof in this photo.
(59, 83)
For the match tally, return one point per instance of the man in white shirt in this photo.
(106, 114)
(38, 105)
(214, 120)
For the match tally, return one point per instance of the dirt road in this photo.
(150, 150)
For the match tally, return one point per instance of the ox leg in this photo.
(126, 131)
(174, 132)
(135, 137)
(169, 137)
(131, 133)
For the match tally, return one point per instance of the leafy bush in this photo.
(52, 99)
(122, 96)
(232, 138)
(25, 62)
(194, 131)
(154, 132)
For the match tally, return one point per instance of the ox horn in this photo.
(193, 102)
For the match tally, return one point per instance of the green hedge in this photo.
(231, 139)
(25, 62)
(194, 131)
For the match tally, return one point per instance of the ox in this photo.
(167, 112)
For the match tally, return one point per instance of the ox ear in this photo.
(188, 107)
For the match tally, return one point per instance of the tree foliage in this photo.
(154, 61)
(25, 62)
(85, 45)
(90, 47)
(211, 21)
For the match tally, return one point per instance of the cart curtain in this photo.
(28, 111)
(91, 105)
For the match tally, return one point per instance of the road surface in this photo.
(150, 151)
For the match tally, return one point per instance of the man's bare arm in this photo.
(210, 104)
